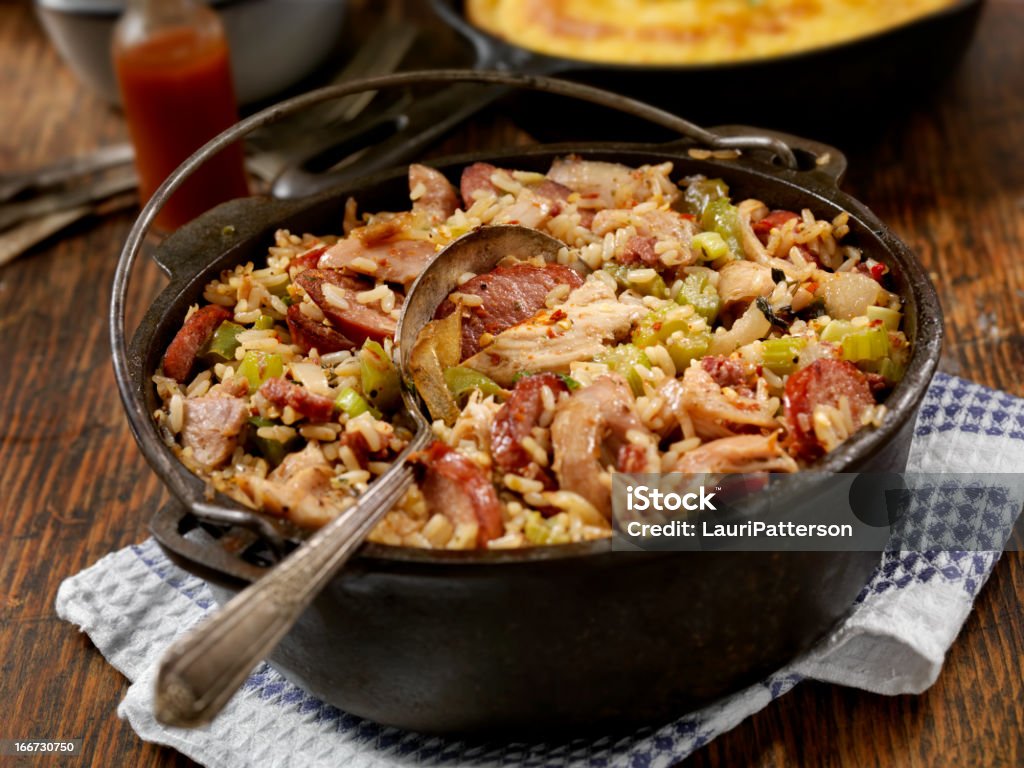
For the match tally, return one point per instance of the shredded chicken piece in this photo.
(750, 326)
(744, 281)
(752, 246)
(579, 329)
(672, 413)
(716, 415)
(742, 453)
(299, 488)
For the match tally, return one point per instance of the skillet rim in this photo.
(488, 46)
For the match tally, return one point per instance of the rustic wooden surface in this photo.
(950, 180)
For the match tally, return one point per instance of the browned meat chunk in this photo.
(727, 372)
(197, 330)
(454, 486)
(515, 420)
(589, 427)
(334, 291)
(435, 195)
(284, 393)
(510, 296)
(211, 428)
(640, 250)
(308, 334)
(823, 382)
(391, 259)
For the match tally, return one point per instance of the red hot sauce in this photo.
(176, 89)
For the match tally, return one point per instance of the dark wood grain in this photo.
(949, 179)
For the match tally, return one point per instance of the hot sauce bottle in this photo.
(172, 64)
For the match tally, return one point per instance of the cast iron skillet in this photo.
(565, 638)
(819, 87)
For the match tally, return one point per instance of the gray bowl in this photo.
(274, 43)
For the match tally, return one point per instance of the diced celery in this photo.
(462, 381)
(222, 345)
(623, 360)
(710, 245)
(378, 377)
(280, 290)
(866, 344)
(836, 330)
(685, 347)
(257, 367)
(264, 323)
(722, 217)
(890, 317)
(701, 192)
(540, 531)
(780, 355)
(654, 287)
(353, 404)
(657, 325)
(699, 293)
(891, 370)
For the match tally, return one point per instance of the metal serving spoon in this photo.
(201, 671)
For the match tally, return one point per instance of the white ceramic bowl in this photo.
(274, 43)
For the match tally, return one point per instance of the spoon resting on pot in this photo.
(201, 671)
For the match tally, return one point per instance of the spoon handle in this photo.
(201, 671)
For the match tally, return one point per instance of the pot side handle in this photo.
(187, 251)
(812, 157)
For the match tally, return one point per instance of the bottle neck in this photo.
(145, 18)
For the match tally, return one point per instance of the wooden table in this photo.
(950, 180)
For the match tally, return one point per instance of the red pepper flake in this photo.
(557, 315)
(878, 271)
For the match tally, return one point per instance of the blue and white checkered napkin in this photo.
(134, 602)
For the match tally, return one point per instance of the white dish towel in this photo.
(134, 602)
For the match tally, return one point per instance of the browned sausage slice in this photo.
(282, 393)
(184, 348)
(308, 333)
(341, 306)
(455, 486)
(516, 419)
(823, 382)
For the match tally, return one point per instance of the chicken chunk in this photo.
(741, 453)
(579, 329)
(211, 428)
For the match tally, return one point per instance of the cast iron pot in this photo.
(565, 638)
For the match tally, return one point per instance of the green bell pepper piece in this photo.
(353, 404)
(257, 367)
(222, 345)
